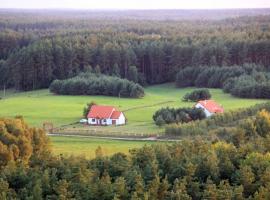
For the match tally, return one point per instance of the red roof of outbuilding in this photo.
(211, 106)
(116, 114)
(101, 112)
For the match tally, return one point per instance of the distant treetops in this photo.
(97, 84)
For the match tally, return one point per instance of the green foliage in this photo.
(262, 123)
(158, 48)
(248, 81)
(190, 169)
(68, 109)
(211, 77)
(132, 74)
(180, 115)
(97, 84)
(256, 85)
(88, 108)
(196, 95)
(227, 119)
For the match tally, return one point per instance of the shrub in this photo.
(87, 109)
(180, 115)
(196, 95)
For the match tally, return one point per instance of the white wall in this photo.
(207, 113)
(120, 121)
(91, 122)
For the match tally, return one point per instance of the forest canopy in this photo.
(36, 48)
(230, 163)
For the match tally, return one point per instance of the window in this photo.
(104, 120)
(93, 120)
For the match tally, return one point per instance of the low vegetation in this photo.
(97, 84)
(87, 108)
(177, 115)
(196, 95)
(221, 122)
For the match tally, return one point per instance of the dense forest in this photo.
(37, 47)
(229, 163)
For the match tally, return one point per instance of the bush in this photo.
(180, 115)
(97, 84)
(87, 109)
(196, 95)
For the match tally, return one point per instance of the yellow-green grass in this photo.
(86, 147)
(40, 106)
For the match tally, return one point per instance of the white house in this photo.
(105, 115)
(210, 107)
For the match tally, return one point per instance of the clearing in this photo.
(40, 106)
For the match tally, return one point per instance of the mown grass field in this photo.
(87, 146)
(40, 106)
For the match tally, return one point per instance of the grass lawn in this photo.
(40, 106)
(86, 146)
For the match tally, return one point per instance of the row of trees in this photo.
(179, 115)
(40, 51)
(192, 169)
(97, 84)
(249, 80)
(255, 85)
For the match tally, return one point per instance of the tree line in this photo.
(37, 52)
(255, 85)
(235, 167)
(249, 80)
(97, 84)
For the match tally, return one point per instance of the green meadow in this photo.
(86, 147)
(42, 106)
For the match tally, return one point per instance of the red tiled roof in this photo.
(211, 106)
(116, 114)
(101, 112)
